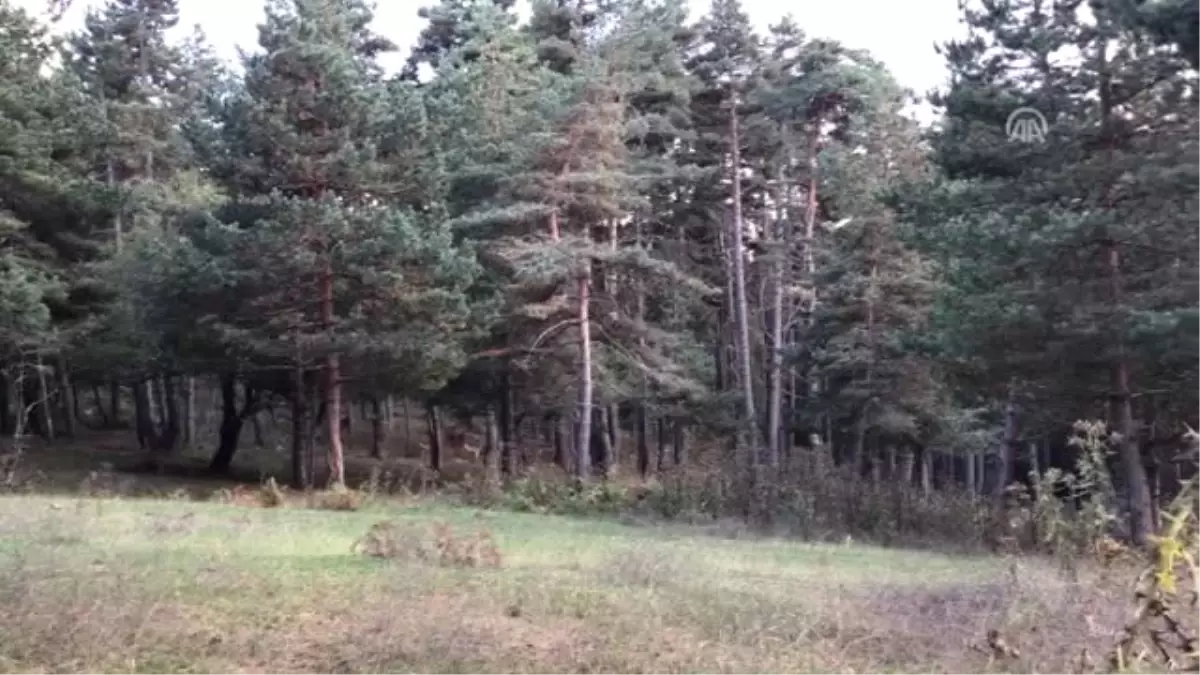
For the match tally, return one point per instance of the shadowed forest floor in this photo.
(135, 585)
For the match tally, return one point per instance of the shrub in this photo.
(438, 544)
(338, 498)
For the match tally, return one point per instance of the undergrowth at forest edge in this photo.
(1060, 599)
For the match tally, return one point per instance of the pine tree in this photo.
(1057, 291)
(487, 109)
(38, 207)
(563, 29)
(877, 293)
(651, 38)
(821, 96)
(139, 82)
(1166, 21)
(129, 68)
(723, 63)
(317, 201)
(453, 24)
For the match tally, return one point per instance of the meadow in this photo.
(176, 585)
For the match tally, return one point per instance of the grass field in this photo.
(180, 586)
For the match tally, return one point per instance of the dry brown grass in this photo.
(270, 495)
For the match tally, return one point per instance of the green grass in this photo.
(178, 586)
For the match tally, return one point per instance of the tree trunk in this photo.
(143, 415)
(643, 443)
(1141, 516)
(231, 428)
(333, 387)
(562, 455)
(105, 422)
(641, 432)
(315, 391)
(603, 440)
(661, 456)
(189, 411)
(256, 425)
(160, 400)
(679, 441)
(69, 407)
(378, 427)
(613, 418)
(926, 471)
(491, 447)
(301, 477)
(508, 454)
(76, 406)
(44, 407)
(407, 424)
(583, 460)
(806, 385)
(169, 440)
(972, 481)
(610, 414)
(433, 420)
(780, 264)
(7, 426)
(726, 336)
(749, 422)
(20, 408)
(907, 464)
(1009, 447)
(114, 403)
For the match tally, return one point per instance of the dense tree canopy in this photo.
(735, 247)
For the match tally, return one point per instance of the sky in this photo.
(899, 33)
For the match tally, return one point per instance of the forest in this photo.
(608, 243)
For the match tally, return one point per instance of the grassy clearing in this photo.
(179, 586)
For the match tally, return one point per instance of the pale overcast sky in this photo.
(900, 33)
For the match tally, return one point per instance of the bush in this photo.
(438, 544)
(542, 493)
(338, 498)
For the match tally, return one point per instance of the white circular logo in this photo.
(1026, 125)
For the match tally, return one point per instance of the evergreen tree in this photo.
(723, 62)
(563, 29)
(1057, 293)
(148, 90)
(31, 281)
(128, 67)
(317, 201)
(452, 25)
(822, 97)
(877, 294)
(1167, 21)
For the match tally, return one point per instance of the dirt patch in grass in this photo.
(438, 631)
(1052, 623)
